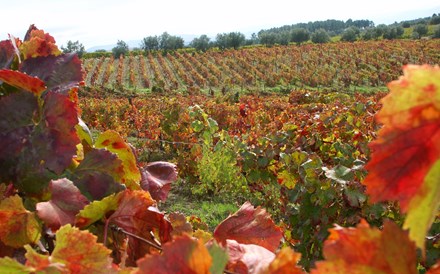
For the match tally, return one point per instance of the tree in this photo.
(435, 19)
(150, 43)
(284, 38)
(253, 40)
(390, 34)
(230, 40)
(170, 42)
(421, 29)
(75, 47)
(201, 43)
(236, 39)
(267, 38)
(320, 36)
(436, 32)
(299, 35)
(121, 48)
(349, 35)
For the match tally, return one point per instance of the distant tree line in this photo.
(316, 32)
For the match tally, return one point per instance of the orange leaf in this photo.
(22, 81)
(285, 262)
(184, 255)
(38, 44)
(250, 225)
(17, 225)
(80, 252)
(368, 250)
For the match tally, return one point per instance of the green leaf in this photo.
(424, 207)
(197, 126)
(8, 265)
(219, 259)
(95, 211)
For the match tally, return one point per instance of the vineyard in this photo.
(325, 180)
(335, 66)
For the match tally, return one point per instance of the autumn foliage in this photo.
(71, 203)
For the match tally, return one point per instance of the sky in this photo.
(98, 22)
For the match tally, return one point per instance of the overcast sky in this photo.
(99, 22)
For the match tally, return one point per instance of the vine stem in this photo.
(118, 229)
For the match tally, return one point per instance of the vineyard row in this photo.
(338, 65)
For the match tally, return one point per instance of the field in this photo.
(132, 165)
(335, 67)
(279, 126)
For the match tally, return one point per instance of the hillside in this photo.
(333, 66)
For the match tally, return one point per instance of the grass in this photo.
(211, 210)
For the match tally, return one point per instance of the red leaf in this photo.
(7, 53)
(65, 203)
(368, 250)
(407, 145)
(97, 176)
(157, 178)
(136, 214)
(37, 138)
(180, 224)
(59, 73)
(23, 81)
(250, 226)
(405, 162)
(184, 255)
(247, 258)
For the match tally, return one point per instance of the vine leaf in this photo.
(180, 224)
(183, 255)
(366, 249)
(7, 54)
(132, 211)
(157, 178)
(37, 138)
(37, 43)
(9, 265)
(247, 258)
(130, 174)
(22, 81)
(250, 225)
(80, 252)
(65, 203)
(60, 73)
(136, 213)
(219, 257)
(285, 262)
(17, 225)
(404, 165)
(39, 262)
(98, 174)
(95, 211)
